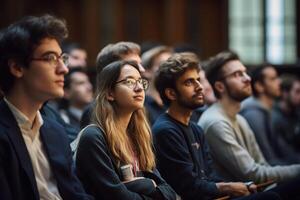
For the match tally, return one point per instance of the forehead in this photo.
(47, 45)
(79, 52)
(232, 66)
(188, 74)
(269, 71)
(129, 71)
(132, 56)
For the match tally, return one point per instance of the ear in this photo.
(259, 87)
(219, 86)
(15, 69)
(171, 94)
(110, 96)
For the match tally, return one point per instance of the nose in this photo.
(247, 77)
(138, 87)
(62, 68)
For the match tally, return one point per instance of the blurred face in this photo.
(128, 93)
(209, 95)
(236, 81)
(80, 92)
(44, 80)
(271, 82)
(149, 73)
(189, 91)
(78, 58)
(136, 58)
(294, 94)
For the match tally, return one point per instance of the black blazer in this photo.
(17, 180)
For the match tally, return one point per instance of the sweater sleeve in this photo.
(96, 170)
(176, 166)
(237, 160)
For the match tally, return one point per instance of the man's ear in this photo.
(171, 94)
(15, 69)
(110, 96)
(258, 87)
(219, 86)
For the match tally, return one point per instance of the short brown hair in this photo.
(214, 67)
(171, 70)
(114, 52)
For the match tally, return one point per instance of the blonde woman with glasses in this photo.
(114, 157)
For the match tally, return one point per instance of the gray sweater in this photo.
(235, 151)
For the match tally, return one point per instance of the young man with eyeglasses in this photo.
(35, 157)
(183, 157)
(232, 143)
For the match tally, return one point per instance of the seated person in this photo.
(35, 157)
(111, 53)
(151, 60)
(182, 152)
(257, 110)
(232, 143)
(286, 112)
(114, 158)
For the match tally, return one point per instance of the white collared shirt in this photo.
(45, 180)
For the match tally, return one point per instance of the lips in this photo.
(139, 97)
(200, 95)
(60, 82)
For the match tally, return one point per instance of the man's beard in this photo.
(189, 104)
(236, 95)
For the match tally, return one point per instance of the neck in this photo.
(27, 105)
(123, 119)
(179, 113)
(266, 101)
(230, 106)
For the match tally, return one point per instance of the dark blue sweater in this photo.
(183, 158)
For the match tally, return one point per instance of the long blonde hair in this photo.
(138, 133)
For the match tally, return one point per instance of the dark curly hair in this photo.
(19, 40)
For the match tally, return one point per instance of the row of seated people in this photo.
(114, 156)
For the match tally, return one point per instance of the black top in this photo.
(183, 158)
(101, 177)
(153, 109)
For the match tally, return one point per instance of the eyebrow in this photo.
(132, 77)
(51, 52)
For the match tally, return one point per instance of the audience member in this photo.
(35, 158)
(78, 94)
(182, 152)
(110, 53)
(286, 115)
(77, 55)
(114, 158)
(232, 142)
(257, 111)
(151, 60)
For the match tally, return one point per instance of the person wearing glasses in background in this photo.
(35, 157)
(114, 157)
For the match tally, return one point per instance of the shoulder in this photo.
(92, 132)
(164, 124)
(213, 116)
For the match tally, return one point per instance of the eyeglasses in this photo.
(53, 59)
(132, 83)
(236, 74)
